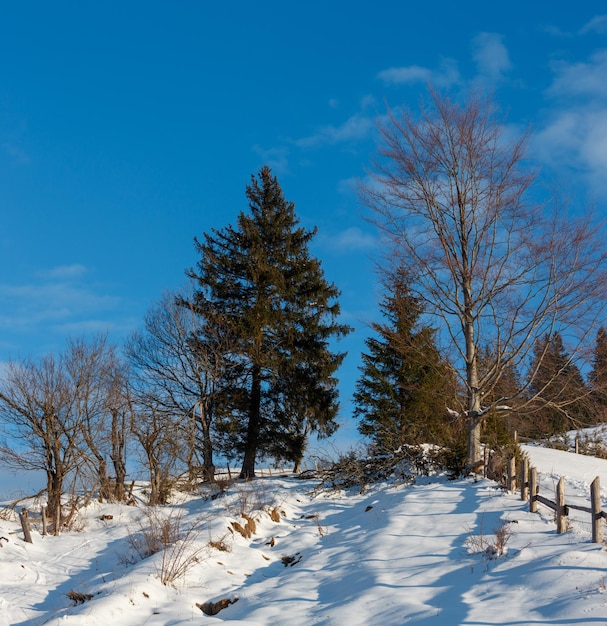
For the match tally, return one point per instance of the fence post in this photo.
(524, 479)
(533, 489)
(485, 461)
(44, 522)
(561, 521)
(512, 474)
(25, 525)
(597, 514)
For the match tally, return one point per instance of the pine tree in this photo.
(405, 386)
(258, 282)
(598, 375)
(559, 387)
(500, 424)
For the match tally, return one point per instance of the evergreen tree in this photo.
(561, 394)
(500, 423)
(405, 387)
(258, 282)
(598, 375)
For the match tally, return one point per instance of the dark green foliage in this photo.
(406, 386)
(598, 376)
(258, 283)
(504, 418)
(561, 396)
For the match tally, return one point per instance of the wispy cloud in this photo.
(275, 158)
(55, 301)
(597, 24)
(491, 56)
(358, 126)
(574, 134)
(445, 76)
(350, 240)
(585, 79)
(64, 272)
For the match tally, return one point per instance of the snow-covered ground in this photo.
(394, 555)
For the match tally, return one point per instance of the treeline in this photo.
(408, 392)
(239, 364)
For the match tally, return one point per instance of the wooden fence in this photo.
(526, 480)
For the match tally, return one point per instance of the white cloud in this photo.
(54, 302)
(352, 239)
(491, 56)
(64, 272)
(276, 159)
(585, 79)
(348, 186)
(597, 24)
(573, 138)
(355, 128)
(408, 74)
(446, 76)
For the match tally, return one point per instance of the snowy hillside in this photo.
(395, 555)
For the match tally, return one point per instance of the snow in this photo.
(393, 555)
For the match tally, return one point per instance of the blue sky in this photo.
(128, 128)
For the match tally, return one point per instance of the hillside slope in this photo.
(417, 554)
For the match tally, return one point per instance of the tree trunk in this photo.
(117, 456)
(105, 490)
(54, 486)
(253, 427)
(208, 467)
(120, 471)
(474, 456)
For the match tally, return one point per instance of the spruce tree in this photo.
(561, 394)
(598, 376)
(258, 283)
(405, 386)
(500, 423)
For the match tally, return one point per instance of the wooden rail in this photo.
(529, 489)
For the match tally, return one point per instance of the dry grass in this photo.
(221, 544)
(79, 598)
(491, 547)
(274, 514)
(249, 528)
(168, 535)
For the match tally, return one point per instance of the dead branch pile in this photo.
(402, 466)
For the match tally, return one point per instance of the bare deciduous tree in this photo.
(40, 423)
(451, 194)
(99, 382)
(66, 413)
(178, 372)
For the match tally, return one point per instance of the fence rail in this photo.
(527, 481)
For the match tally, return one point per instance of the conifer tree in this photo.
(405, 386)
(560, 392)
(504, 417)
(258, 283)
(598, 375)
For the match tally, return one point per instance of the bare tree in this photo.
(99, 382)
(156, 431)
(65, 414)
(179, 372)
(451, 194)
(41, 424)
